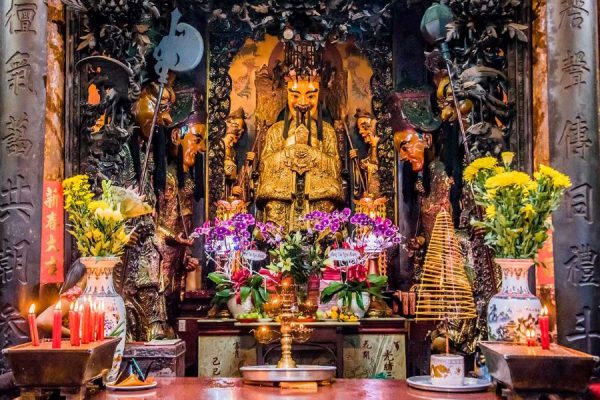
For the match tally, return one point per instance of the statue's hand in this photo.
(353, 154)
(184, 241)
(302, 151)
(230, 168)
(191, 264)
(374, 140)
(250, 156)
(237, 191)
(134, 239)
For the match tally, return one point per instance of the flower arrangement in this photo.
(373, 234)
(242, 283)
(517, 207)
(100, 226)
(229, 240)
(369, 237)
(355, 281)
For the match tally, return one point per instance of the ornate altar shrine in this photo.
(285, 110)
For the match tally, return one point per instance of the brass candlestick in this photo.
(289, 331)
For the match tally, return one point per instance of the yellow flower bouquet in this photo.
(517, 206)
(100, 226)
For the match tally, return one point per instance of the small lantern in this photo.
(434, 21)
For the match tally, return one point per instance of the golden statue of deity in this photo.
(299, 167)
(235, 128)
(367, 129)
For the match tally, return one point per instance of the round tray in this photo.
(302, 373)
(469, 385)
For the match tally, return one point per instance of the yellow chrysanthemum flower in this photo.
(94, 205)
(490, 211)
(559, 179)
(477, 165)
(528, 209)
(507, 157)
(510, 178)
(75, 181)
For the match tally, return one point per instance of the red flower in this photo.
(271, 279)
(357, 273)
(239, 278)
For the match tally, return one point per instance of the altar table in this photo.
(234, 389)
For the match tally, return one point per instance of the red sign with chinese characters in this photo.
(52, 255)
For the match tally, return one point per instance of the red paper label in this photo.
(53, 251)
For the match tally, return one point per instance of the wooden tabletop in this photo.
(235, 389)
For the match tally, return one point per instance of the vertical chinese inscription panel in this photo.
(22, 106)
(573, 119)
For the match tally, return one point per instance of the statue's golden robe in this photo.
(283, 161)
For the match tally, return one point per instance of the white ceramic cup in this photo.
(447, 369)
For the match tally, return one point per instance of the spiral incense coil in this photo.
(444, 291)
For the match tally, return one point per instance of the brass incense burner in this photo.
(289, 330)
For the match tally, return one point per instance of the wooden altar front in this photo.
(365, 349)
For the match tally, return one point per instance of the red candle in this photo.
(545, 328)
(85, 326)
(33, 330)
(74, 324)
(100, 327)
(57, 327)
(530, 334)
(94, 322)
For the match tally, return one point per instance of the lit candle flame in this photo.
(32, 308)
(57, 307)
(72, 307)
(544, 311)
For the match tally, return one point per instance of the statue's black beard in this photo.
(306, 119)
(180, 169)
(198, 175)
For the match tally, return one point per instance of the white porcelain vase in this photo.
(366, 299)
(237, 309)
(515, 309)
(447, 369)
(99, 288)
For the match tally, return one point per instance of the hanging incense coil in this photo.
(444, 291)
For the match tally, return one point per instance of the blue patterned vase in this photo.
(515, 309)
(99, 288)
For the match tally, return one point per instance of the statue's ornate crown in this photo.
(303, 58)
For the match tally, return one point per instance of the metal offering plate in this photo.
(469, 385)
(302, 373)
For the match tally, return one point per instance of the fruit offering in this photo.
(336, 314)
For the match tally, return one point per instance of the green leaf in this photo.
(330, 291)
(217, 277)
(225, 293)
(263, 294)
(377, 280)
(258, 301)
(359, 300)
(244, 293)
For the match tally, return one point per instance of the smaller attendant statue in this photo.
(143, 109)
(236, 127)
(367, 129)
(187, 142)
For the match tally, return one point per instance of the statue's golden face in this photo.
(366, 128)
(143, 109)
(192, 140)
(303, 95)
(411, 147)
(235, 127)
